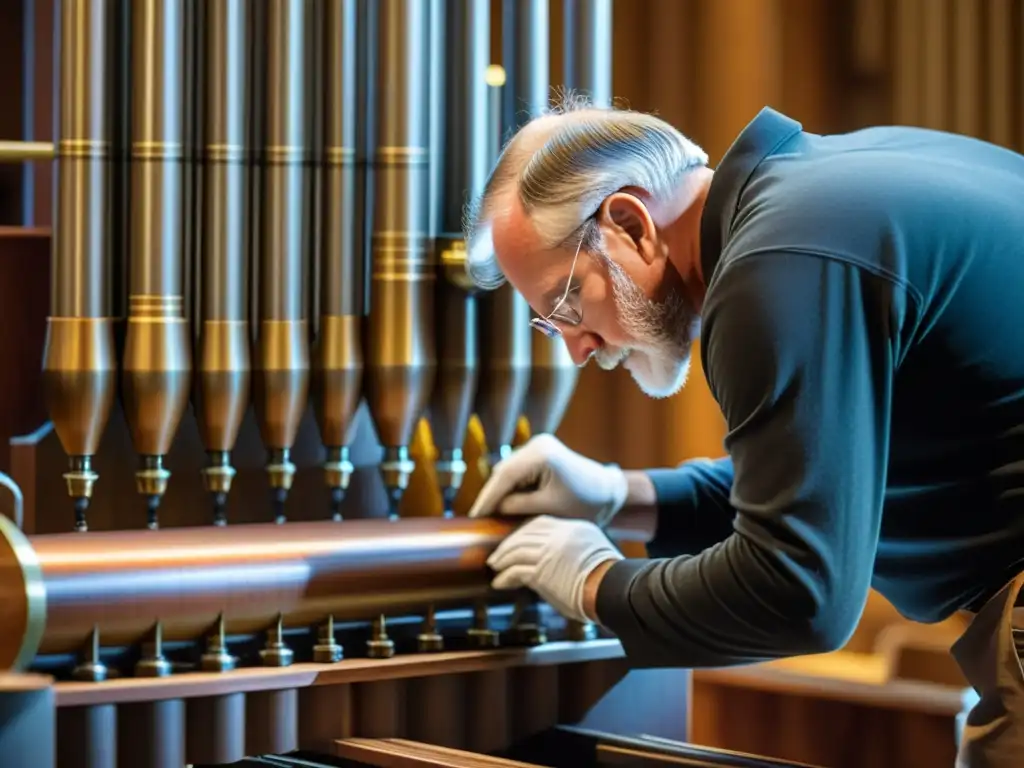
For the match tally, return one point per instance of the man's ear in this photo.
(627, 214)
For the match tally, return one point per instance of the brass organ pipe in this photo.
(366, 131)
(401, 358)
(465, 161)
(157, 356)
(188, 577)
(282, 353)
(339, 355)
(222, 386)
(79, 363)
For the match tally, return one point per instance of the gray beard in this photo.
(661, 333)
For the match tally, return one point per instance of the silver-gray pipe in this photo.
(466, 140)
(587, 49)
(525, 35)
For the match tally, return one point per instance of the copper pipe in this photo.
(123, 581)
(157, 356)
(338, 358)
(281, 365)
(465, 159)
(401, 358)
(222, 386)
(79, 363)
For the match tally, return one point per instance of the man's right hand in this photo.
(544, 477)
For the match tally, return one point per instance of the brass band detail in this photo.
(283, 154)
(157, 150)
(143, 306)
(22, 599)
(335, 156)
(97, 149)
(224, 153)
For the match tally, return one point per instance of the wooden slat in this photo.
(349, 671)
(402, 753)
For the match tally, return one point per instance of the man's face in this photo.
(656, 335)
(621, 309)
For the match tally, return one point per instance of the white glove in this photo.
(553, 558)
(544, 477)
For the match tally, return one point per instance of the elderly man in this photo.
(860, 304)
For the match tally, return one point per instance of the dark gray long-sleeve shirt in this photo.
(863, 333)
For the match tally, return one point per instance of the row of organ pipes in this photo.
(259, 205)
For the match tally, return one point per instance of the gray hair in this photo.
(591, 154)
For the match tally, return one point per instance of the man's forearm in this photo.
(641, 496)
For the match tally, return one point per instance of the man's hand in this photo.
(545, 477)
(554, 558)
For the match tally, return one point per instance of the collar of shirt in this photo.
(762, 136)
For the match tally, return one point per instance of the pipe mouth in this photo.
(22, 599)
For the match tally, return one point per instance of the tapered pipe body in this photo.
(465, 160)
(338, 356)
(222, 383)
(281, 365)
(79, 362)
(587, 49)
(247, 574)
(401, 356)
(554, 374)
(157, 357)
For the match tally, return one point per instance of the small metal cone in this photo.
(278, 500)
(81, 507)
(220, 503)
(448, 498)
(337, 498)
(152, 512)
(394, 502)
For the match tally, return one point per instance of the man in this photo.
(860, 303)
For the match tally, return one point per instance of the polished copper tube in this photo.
(157, 356)
(401, 358)
(465, 159)
(222, 383)
(124, 581)
(587, 49)
(338, 356)
(79, 361)
(281, 364)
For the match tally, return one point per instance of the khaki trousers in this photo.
(989, 655)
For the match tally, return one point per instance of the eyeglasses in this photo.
(562, 313)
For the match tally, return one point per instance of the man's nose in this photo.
(581, 346)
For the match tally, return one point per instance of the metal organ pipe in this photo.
(400, 356)
(554, 375)
(466, 162)
(157, 356)
(506, 340)
(222, 384)
(79, 363)
(281, 365)
(339, 357)
(588, 49)
(60, 589)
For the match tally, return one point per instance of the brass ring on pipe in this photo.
(22, 599)
(451, 255)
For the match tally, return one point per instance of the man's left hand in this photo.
(554, 558)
